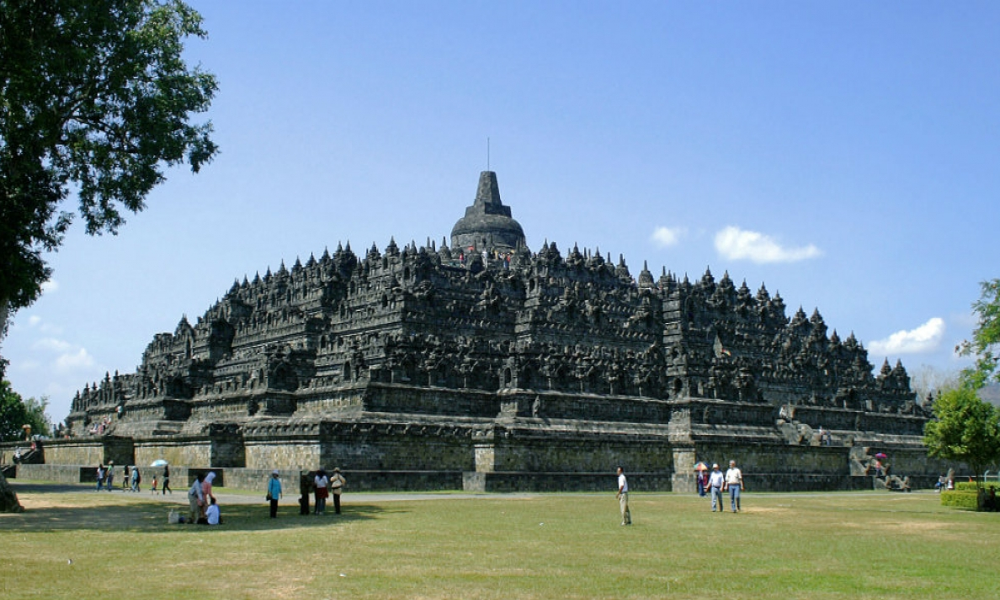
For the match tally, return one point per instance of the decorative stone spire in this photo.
(487, 224)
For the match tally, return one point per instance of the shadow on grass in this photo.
(151, 516)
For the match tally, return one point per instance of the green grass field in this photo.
(80, 544)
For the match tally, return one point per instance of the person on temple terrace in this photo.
(734, 483)
(715, 483)
(623, 497)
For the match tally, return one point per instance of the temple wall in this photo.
(176, 451)
(593, 407)
(852, 420)
(295, 454)
(517, 450)
(378, 449)
(719, 412)
(82, 453)
(774, 458)
(92, 450)
(390, 398)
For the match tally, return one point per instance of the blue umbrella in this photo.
(159, 463)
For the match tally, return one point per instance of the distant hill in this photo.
(991, 393)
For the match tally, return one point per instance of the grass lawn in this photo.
(80, 544)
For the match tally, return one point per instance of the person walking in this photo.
(337, 485)
(715, 483)
(136, 478)
(623, 497)
(109, 477)
(100, 476)
(274, 492)
(126, 478)
(195, 499)
(166, 480)
(734, 483)
(321, 482)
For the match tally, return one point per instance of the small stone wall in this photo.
(564, 482)
(265, 454)
(176, 451)
(92, 450)
(518, 451)
(831, 461)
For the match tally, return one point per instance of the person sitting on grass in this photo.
(212, 516)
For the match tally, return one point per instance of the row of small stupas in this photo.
(484, 317)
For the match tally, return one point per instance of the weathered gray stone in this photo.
(485, 357)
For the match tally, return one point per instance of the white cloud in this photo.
(74, 360)
(50, 287)
(52, 345)
(922, 339)
(665, 237)
(34, 320)
(737, 244)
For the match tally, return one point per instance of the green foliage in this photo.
(96, 98)
(985, 344)
(965, 429)
(960, 498)
(15, 413)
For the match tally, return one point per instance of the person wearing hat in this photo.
(715, 482)
(734, 483)
(337, 484)
(274, 492)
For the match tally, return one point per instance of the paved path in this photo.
(230, 498)
(226, 497)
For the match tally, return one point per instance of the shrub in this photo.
(960, 498)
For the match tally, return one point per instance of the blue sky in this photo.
(844, 154)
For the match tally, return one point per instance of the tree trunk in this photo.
(8, 499)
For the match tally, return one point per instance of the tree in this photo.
(95, 99)
(965, 429)
(985, 344)
(15, 413)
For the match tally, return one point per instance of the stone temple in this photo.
(482, 364)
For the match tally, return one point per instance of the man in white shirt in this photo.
(715, 482)
(623, 497)
(734, 482)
